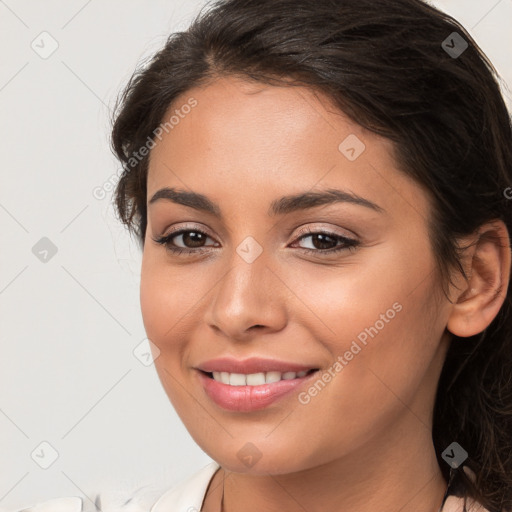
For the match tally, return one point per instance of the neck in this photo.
(398, 472)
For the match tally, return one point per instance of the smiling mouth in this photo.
(256, 379)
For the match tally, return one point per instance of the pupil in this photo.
(195, 237)
(321, 236)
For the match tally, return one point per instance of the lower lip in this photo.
(249, 398)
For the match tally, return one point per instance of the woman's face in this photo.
(261, 283)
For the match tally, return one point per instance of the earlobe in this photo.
(489, 258)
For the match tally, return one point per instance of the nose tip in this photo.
(245, 295)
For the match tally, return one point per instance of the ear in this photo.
(486, 262)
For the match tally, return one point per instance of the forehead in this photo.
(246, 139)
(231, 111)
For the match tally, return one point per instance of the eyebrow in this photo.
(282, 206)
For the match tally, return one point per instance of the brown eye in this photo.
(189, 241)
(322, 241)
(327, 243)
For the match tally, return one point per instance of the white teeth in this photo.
(237, 379)
(272, 377)
(255, 379)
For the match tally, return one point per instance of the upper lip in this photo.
(251, 365)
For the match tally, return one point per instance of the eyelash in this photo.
(348, 243)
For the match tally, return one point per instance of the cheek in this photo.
(157, 305)
(341, 303)
(384, 362)
(168, 294)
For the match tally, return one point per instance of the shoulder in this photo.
(138, 501)
(185, 496)
(68, 504)
(456, 504)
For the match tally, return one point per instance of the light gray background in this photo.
(69, 326)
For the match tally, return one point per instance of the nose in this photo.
(247, 301)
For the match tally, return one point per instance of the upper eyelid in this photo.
(179, 230)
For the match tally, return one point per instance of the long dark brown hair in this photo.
(397, 69)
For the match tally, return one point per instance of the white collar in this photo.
(188, 495)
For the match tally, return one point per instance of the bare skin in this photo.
(364, 442)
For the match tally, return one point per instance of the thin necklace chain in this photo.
(223, 483)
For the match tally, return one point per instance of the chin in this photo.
(245, 457)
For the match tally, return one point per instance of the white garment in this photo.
(187, 496)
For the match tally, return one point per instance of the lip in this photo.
(251, 365)
(250, 398)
